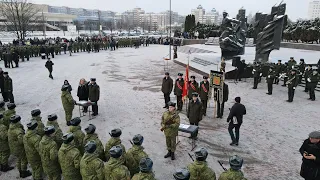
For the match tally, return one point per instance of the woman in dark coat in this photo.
(83, 92)
(66, 82)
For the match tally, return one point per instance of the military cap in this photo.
(52, 117)
(1, 115)
(75, 121)
(32, 125)
(237, 99)
(49, 130)
(166, 73)
(67, 138)
(15, 118)
(195, 94)
(137, 139)
(5, 73)
(291, 57)
(201, 154)
(279, 60)
(93, 79)
(90, 147)
(90, 129)
(35, 112)
(115, 133)
(11, 105)
(2, 103)
(301, 59)
(315, 135)
(182, 174)
(205, 77)
(180, 74)
(235, 162)
(64, 87)
(193, 77)
(116, 151)
(170, 103)
(145, 165)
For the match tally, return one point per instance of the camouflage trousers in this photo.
(37, 170)
(54, 176)
(4, 156)
(22, 161)
(171, 143)
(68, 115)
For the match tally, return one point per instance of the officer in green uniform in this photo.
(8, 113)
(67, 102)
(313, 80)
(182, 174)
(31, 142)
(78, 134)
(292, 83)
(49, 154)
(113, 141)
(52, 121)
(170, 125)
(36, 116)
(234, 172)
(204, 94)
(92, 136)
(199, 168)
(114, 169)
(193, 87)
(4, 148)
(91, 166)
(145, 166)
(69, 158)
(15, 138)
(270, 78)
(135, 154)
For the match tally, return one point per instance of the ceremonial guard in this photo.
(204, 94)
(193, 87)
(221, 99)
(194, 112)
(178, 90)
(302, 68)
(167, 85)
(257, 73)
(278, 70)
(307, 74)
(145, 166)
(292, 84)
(270, 78)
(313, 81)
(234, 172)
(170, 125)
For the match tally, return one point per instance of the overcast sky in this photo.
(295, 8)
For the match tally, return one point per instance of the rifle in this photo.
(221, 164)
(169, 122)
(190, 156)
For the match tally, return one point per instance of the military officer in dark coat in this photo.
(43, 52)
(270, 78)
(235, 120)
(167, 85)
(278, 69)
(94, 95)
(193, 87)
(49, 66)
(204, 93)
(194, 110)
(292, 84)
(302, 68)
(178, 90)
(1, 82)
(307, 74)
(313, 81)
(220, 102)
(257, 72)
(8, 88)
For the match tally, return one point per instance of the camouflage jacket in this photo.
(49, 156)
(3, 137)
(69, 159)
(232, 175)
(40, 127)
(31, 142)
(15, 138)
(78, 137)
(133, 157)
(91, 167)
(113, 142)
(144, 176)
(200, 170)
(6, 116)
(115, 170)
(94, 137)
(170, 129)
(67, 101)
(58, 133)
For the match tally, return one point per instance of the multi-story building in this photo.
(199, 14)
(314, 9)
(211, 17)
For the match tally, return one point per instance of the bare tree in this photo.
(20, 16)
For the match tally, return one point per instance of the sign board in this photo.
(215, 79)
(72, 28)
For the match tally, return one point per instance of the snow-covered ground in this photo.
(131, 99)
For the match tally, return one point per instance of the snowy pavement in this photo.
(131, 99)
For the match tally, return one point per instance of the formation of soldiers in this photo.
(292, 74)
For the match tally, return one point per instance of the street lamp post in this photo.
(170, 34)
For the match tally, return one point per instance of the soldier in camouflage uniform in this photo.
(91, 167)
(170, 125)
(8, 113)
(113, 141)
(92, 136)
(67, 102)
(36, 116)
(15, 138)
(49, 154)
(52, 121)
(28, 52)
(182, 174)
(135, 154)
(69, 158)
(199, 168)
(21, 52)
(78, 134)
(2, 107)
(146, 173)
(31, 142)
(4, 148)
(234, 172)
(114, 169)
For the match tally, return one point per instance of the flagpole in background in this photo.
(186, 83)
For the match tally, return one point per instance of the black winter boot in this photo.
(172, 156)
(168, 154)
(24, 174)
(5, 168)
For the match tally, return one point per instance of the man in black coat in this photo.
(43, 52)
(278, 70)
(313, 81)
(167, 85)
(307, 74)
(1, 81)
(94, 95)
(178, 90)
(51, 49)
(220, 103)
(8, 88)
(83, 92)
(310, 150)
(292, 83)
(204, 94)
(257, 73)
(240, 69)
(235, 120)
(49, 66)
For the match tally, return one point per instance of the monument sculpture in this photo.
(269, 38)
(233, 35)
